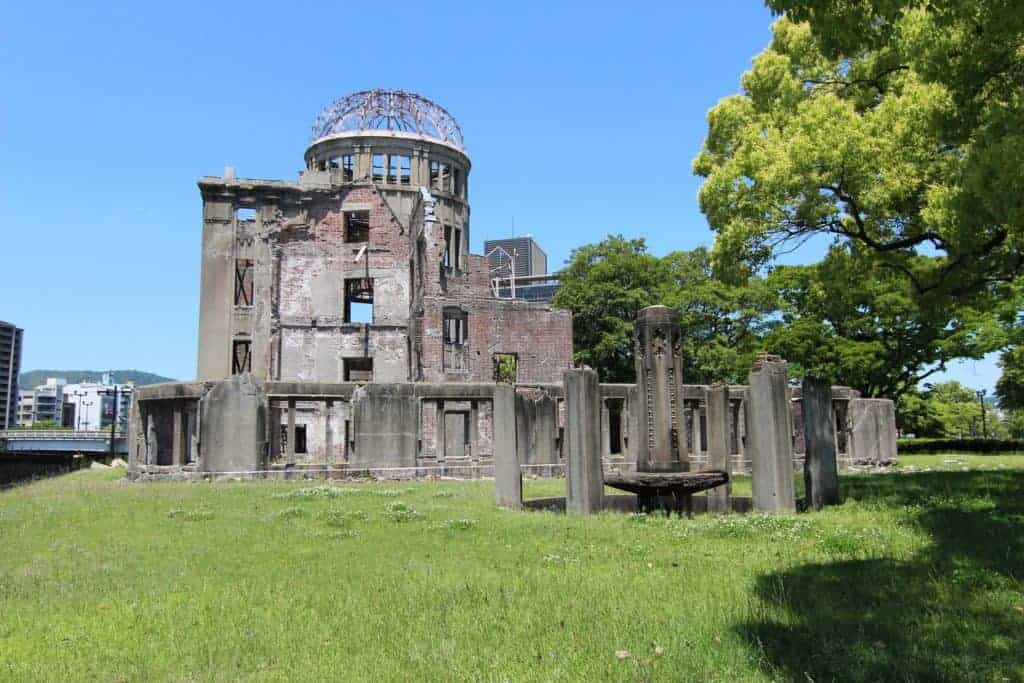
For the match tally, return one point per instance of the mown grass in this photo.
(916, 576)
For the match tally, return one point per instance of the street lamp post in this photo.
(980, 393)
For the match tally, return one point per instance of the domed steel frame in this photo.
(395, 110)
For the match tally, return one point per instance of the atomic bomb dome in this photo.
(399, 111)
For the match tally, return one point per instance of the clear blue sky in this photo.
(581, 120)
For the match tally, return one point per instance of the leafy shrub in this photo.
(979, 446)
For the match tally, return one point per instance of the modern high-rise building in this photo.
(527, 256)
(10, 367)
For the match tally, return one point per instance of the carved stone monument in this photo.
(659, 380)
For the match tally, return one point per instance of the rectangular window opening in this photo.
(245, 214)
(379, 162)
(446, 177)
(435, 175)
(457, 180)
(452, 247)
(243, 282)
(358, 369)
(300, 439)
(506, 368)
(241, 356)
(404, 171)
(348, 167)
(357, 226)
(359, 300)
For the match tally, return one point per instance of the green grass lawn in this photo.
(917, 576)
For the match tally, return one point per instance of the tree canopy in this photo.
(890, 124)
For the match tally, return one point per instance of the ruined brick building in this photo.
(360, 270)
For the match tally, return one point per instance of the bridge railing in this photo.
(32, 434)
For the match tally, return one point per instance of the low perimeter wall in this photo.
(242, 428)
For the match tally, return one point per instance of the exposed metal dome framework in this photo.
(395, 110)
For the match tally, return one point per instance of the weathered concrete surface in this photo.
(386, 419)
(769, 436)
(508, 478)
(232, 426)
(718, 409)
(821, 475)
(536, 429)
(584, 479)
(872, 431)
(659, 376)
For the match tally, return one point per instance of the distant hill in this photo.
(33, 378)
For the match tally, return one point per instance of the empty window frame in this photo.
(452, 248)
(241, 356)
(379, 162)
(357, 226)
(243, 282)
(244, 214)
(457, 181)
(456, 327)
(506, 368)
(359, 300)
(446, 177)
(300, 439)
(345, 164)
(404, 171)
(435, 174)
(358, 369)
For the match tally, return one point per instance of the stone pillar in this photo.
(698, 433)
(178, 438)
(232, 426)
(606, 430)
(508, 477)
(328, 433)
(474, 430)
(718, 409)
(584, 478)
(821, 478)
(769, 435)
(152, 445)
(872, 439)
(439, 431)
(659, 379)
(290, 450)
(634, 417)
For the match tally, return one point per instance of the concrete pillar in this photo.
(584, 478)
(659, 378)
(439, 430)
(474, 429)
(821, 477)
(178, 438)
(635, 420)
(718, 409)
(328, 433)
(289, 455)
(769, 435)
(508, 477)
(232, 426)
(275, 431)
(606, 430)
(698, 433)
(152, 452)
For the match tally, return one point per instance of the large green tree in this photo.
(1010, 385)
(853, 321)
(606, 284)
(891, 124)
(722, 324)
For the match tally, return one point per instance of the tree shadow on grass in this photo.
(948, 613)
